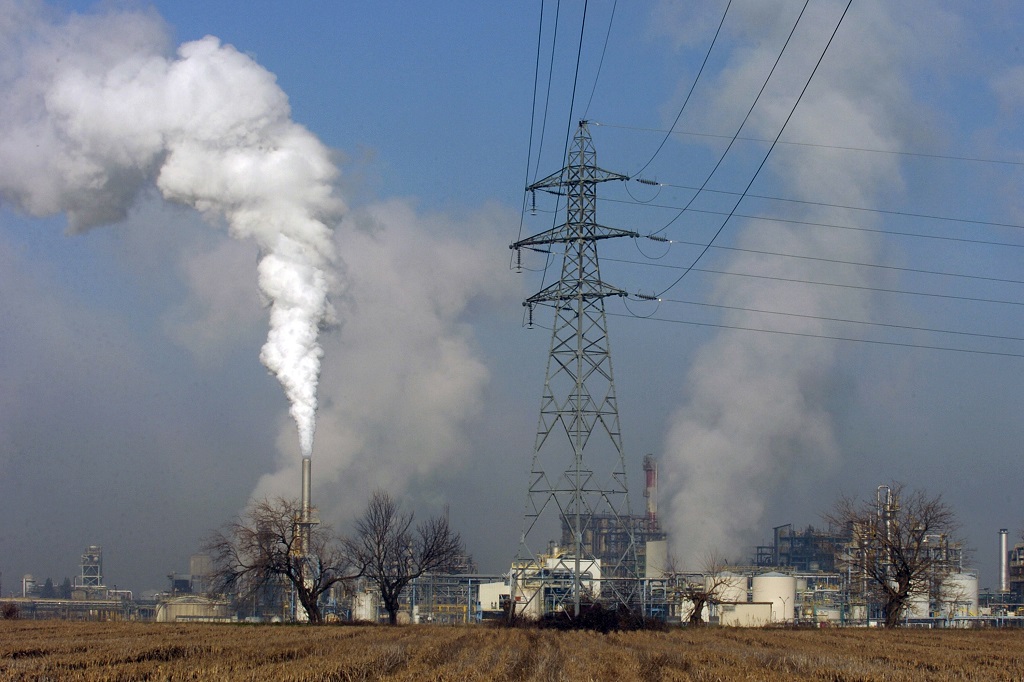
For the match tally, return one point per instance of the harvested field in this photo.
(57, 650)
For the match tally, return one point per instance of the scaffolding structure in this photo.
(92, 567)
(578, 470)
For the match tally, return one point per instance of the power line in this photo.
(768, 154)
(533, 119)
(825, 284)
(575, 80)
(855, 263)
(886, 325)
(903, 214)
(812, 223)
(826, 337)
(739, 128)
(926, 155)
(700, 71)
(600, 64)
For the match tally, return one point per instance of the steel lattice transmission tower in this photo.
(578, 468)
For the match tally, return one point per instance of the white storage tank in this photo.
(192, 608)
(959, 595)
(366, 606)
(731, 588)
(919, 605)
(656, 559)
(780, 590)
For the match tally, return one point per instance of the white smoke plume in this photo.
(757, 409)
(394, 414)
(96, 110)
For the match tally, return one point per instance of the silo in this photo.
(780, 590)
(960, 595)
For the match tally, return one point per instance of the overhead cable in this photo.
(828, 337)
(600, 63)
(768, 154)
(700, 71)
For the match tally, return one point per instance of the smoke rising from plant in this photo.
(758, 406)
(396, 412)
(97, 110)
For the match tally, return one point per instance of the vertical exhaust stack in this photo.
(651, 491)
(305, 512)
(307, 465)
(1004, 573)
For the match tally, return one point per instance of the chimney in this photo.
(1004, 574)
(306, 485)
(651, 491)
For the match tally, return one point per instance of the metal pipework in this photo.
(1004, 574)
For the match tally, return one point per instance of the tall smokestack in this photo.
(651, 491)
(1004, 574)
(307, 464)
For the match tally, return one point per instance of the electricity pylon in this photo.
(581, 478)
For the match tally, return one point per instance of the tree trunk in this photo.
(696, 617)
(312, 609)
(894, 612)
(391, 606)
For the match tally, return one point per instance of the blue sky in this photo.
(135, 413)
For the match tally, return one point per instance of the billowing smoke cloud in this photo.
(97, 110)
(758, 407)
(394, 413)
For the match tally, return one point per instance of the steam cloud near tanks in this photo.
(758, 411)
(96, 112)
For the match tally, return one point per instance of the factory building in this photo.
(1015, 564)
(607, 537)
(805, 550)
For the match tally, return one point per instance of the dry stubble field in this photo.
(57, 650)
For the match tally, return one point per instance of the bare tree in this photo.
(391, 553)
(268, 544)
(901, 545)
(700, 589)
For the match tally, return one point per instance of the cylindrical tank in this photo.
(191, 608)
(780, 590)
(960, 595)
(365, 606)
(731, 587)
(919, 605)
(656, 559)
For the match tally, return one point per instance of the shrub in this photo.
(599, 619)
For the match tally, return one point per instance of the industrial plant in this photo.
(582, 545)
(805, 577)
